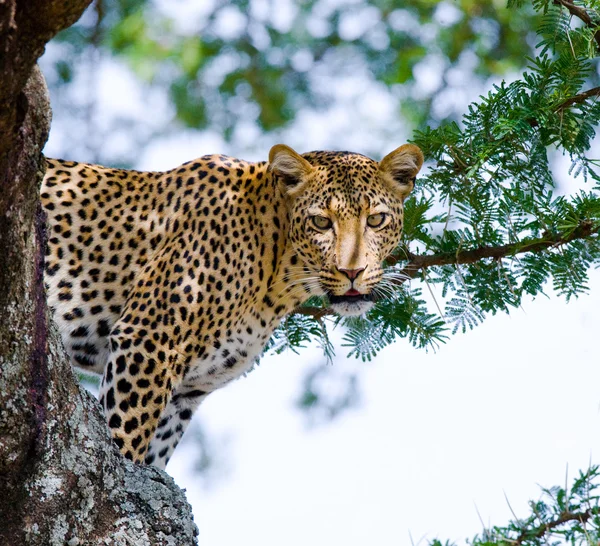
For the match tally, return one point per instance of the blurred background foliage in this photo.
(227, 65)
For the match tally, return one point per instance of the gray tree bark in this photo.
(62, 480)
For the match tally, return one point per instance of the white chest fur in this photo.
(230, 358)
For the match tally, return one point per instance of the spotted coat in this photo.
(169, 284)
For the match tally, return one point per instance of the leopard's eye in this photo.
(376, 220)
(321, 222)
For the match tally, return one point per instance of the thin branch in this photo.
(539, 532)
(581, 97)
(316, 312)
(421, 262)
(575, 99)
(417, 262)
(582, 14)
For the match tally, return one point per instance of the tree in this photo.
(62, 480)
(486, 225)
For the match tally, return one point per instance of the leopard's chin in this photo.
(351, 306)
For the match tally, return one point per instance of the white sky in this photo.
(437, 437)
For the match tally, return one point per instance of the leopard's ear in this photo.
(401, 166)
(290, 168)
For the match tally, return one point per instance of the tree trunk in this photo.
(62, 480)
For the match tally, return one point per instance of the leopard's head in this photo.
(346, 213)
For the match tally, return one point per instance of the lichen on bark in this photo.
(62, 480)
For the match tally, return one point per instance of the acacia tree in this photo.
(62, 480)
(485, 225)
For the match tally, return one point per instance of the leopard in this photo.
(170, 284)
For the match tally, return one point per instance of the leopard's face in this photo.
(346, 213)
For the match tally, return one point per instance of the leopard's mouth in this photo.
(350, 298)
(352, 303)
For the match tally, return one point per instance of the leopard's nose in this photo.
(351, 273)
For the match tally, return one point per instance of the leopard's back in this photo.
(103, 226)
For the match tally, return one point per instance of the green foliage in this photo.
(234, 63)
(321, 403)
(404, 315)
(561, 516)
(296, 331)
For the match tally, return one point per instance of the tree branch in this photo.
(420, 262)
(315, 312)
(582, 14)
(540, 531)
(577, 99)
(417, 262)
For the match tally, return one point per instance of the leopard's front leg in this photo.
(138, 382)
(173, 422)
